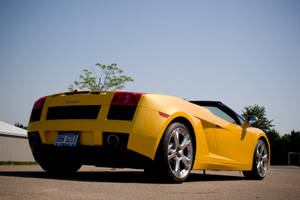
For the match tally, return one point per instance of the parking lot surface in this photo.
(31, 182)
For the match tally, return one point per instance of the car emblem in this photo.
(75, 101)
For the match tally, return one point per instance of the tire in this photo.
(260, 162)
(57, 164)
(175, 156)
(60, 168)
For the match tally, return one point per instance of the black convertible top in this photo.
(207, 103)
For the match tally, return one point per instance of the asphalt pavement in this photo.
(31, 182)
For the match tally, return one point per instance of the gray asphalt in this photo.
(30, 182)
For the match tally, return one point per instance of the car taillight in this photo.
(37, 109)
(39, 103)
(123, 105)
(126, 99)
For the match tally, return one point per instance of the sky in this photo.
(239, 52)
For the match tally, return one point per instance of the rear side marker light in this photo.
(163, 114)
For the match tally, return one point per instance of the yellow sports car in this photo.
(167, 136)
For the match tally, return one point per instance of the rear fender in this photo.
(194, 122)
(149, 128)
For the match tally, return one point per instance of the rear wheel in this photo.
(176, 154)
(260, 162)
(60, 168)
(57, 163)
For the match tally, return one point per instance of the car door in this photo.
(233, 143)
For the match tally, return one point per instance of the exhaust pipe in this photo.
(113, 140)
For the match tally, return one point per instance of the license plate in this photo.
(66, 139)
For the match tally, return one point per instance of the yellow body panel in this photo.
(220, 145)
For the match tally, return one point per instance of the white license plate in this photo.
(66, 139)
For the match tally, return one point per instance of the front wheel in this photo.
(260, 162)
(175, 158)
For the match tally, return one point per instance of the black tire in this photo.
(175, 156)
(260, 162)
(60, 168)
(57, 164)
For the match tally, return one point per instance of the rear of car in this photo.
(85, 127)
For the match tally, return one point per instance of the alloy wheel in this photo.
(180, 152)
(261, 159)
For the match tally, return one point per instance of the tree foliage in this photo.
(292, 141)
(260, 112)
(273, 136)
(280, 145)
(108, 77)
(17, 124)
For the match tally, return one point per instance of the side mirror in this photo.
(250, 119)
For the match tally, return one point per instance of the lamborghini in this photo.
(164, 135)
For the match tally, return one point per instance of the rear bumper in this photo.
(142, 131)
(91, 131)
(102, 156)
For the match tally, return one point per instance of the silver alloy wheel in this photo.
(262, 159)
(180, 152)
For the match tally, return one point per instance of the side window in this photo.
(220, 113)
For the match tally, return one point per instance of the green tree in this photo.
(17, 124)
(277, 155)
(288, 143)
(294, 141)
(108, 77)
(260, 112)
(273, 136)
(281, 145)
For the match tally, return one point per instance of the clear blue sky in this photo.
(239, 52)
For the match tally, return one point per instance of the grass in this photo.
(17, 163)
